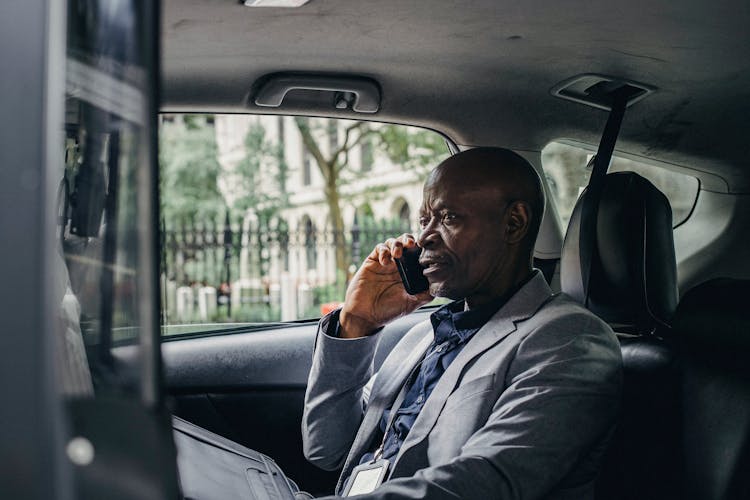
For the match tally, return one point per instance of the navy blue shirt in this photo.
(453, 326)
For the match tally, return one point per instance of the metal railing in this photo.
(241, 270)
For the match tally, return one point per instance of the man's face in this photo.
(463, 224)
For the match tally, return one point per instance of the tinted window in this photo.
(266, 218)
(566, 172)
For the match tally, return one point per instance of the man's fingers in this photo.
(392, 248)
(407, 240)
(381, 254)
(384, 254)
(395, 246)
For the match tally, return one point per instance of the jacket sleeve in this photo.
(335, 397)
(560, 405)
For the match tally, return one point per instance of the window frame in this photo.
(216, 328)
(592, 149)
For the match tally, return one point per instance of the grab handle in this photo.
(361, 95)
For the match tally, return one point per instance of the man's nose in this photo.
(427, 236)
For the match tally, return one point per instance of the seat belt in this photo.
(588, 248)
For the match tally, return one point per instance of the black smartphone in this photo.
(411, 271)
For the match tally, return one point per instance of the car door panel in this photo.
(249, 386)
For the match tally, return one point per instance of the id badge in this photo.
(366, 477)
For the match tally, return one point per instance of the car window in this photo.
(565, 167)
(266, 218)
(102, 202)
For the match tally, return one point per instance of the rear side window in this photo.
(266, 218)
(567, 175)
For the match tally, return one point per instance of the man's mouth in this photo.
(433, 264)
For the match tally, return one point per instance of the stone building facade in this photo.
(372, 186)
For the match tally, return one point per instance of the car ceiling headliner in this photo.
(481, 71)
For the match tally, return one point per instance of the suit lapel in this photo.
(383, 395)
(521, 306)
(386, 389)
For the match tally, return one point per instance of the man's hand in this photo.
(376, 295)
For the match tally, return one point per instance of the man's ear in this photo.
(518, 218)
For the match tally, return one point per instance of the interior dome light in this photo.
(275, 3)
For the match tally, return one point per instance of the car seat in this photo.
(632, 286)
(713, 323)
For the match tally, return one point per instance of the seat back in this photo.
(633, 287)
(633, 280)
(714, 322)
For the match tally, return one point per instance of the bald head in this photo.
(503, 171)
(479, 219)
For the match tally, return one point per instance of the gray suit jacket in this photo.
(524, 411)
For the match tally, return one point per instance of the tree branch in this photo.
(324, 165)
(347, 133)
(348, 147)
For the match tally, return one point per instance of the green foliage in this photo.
(245, 313)
(372, 232)
(251, 313)
(333, 292)
(261, 156)
(413, 149)
(193, 122)
(407, 147)
(190, 175)
(189, 171)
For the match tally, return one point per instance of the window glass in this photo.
(266, 218)
(567, 175)
(103, 191)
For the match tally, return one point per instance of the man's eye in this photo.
(449, 217)
(423, 221)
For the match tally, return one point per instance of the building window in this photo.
(282, 136)
(404, 215)
(282, 237)
(366, 156)
(311, 254)
(307, 164)
(333, 136)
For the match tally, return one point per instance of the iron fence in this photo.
(247, 261)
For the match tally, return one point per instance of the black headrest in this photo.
(715, 313)
(633, 274)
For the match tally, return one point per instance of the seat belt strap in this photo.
(588, 248)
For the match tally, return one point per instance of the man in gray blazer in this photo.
(509, 392)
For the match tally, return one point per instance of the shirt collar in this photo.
(466, 322)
